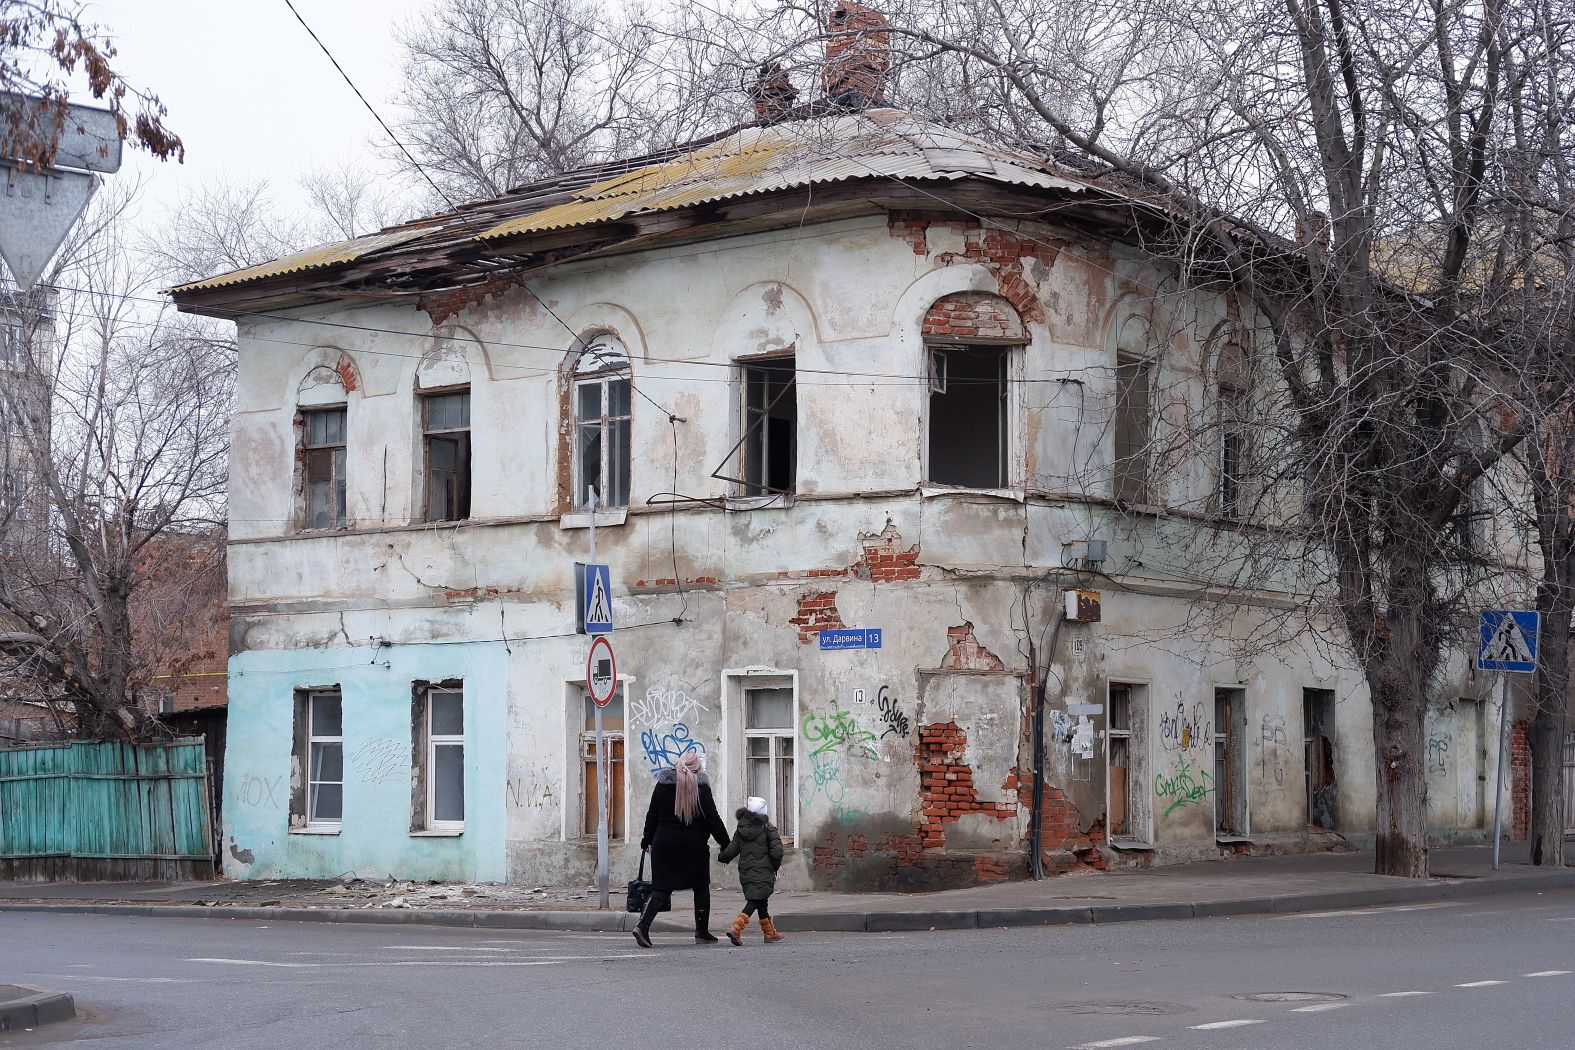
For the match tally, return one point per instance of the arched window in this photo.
(972, 339)
(601, 422)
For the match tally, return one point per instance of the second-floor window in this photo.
(770, 426)
(1132, 429)
(323, 448)
(601, 423)
(1233, 451)
(445, 424)
(969, 416)
(13, 343)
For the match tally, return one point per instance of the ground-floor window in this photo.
(1318, 739)
(762, 746)
(1230, 762)
(438, 770)
(591, 789)
(320, 754)
(1126, 735)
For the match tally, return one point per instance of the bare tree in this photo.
(129, 455)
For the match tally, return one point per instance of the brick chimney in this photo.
(858, 56)
(772, 93)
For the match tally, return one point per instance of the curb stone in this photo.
(40, 1008)
(884, 921)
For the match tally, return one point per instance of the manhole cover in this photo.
(1290, 997)
(1146, 1009)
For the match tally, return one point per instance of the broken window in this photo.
(323, 451)
(1230, 763)
(1132, 429)
(969, 445)
(768, 752)
(770, 425)
(438, 779)
(613, 741)
(1318, 737)
(323, 715)
(445, 424)
(602, 404)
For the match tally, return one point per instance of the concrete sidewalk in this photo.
(1242, 886)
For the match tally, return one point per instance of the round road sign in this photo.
(601, 672)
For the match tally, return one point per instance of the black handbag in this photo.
(640, 891)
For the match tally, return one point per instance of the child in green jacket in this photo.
(758, 848)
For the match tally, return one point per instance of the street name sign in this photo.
(851, 638)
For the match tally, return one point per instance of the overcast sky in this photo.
(248, 91)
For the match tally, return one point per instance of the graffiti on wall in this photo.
(254, 790)
(664, 706)
(1180, 730)
(523, 793)
(1274, 745)
(1183, 788)
(824, 781)
(380, 760)
(664, 749)
(1438, 745)
(891, 716)
(836, 732)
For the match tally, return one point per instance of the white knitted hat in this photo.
(756, 805)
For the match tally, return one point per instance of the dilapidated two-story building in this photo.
(867, 417)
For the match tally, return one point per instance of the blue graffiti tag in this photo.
(662, 750)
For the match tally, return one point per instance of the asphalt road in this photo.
(1495, 973)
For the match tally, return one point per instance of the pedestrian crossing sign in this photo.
(593, 591)
(1508, 640)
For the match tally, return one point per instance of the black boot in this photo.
(642, 929)
(703, 933)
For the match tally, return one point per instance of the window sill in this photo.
(1232, 840)
(1131, 845)
(775, 501)
(581, 519)
(438, 833)
(929, 491)
(334, 830)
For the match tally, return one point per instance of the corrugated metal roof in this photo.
(311, 259)
(787, 156)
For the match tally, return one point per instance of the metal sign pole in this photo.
(601, 764)
(1498, 787)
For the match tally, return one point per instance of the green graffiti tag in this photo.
(1182, 788)
(837, 732)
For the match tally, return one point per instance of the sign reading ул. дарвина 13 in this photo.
(851, 638)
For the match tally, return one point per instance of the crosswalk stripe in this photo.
(1212, 1025)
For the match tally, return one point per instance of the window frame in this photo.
(312, 739)
(1138, 492)
(339, 468)
(601, 376)
(754, 430)
(939, 376)
(783, 811)
(464, 458)
(432, 742)
(1233, 475)
(617, 770)
(578, 730)
(13, 343)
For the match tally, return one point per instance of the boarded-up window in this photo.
(590, 789)
(1133, 376)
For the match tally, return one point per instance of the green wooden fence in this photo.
(93, 810)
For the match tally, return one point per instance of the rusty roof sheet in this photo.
(312, 259)
(880, 144)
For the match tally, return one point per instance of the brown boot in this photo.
(735, 932)
(769, 928)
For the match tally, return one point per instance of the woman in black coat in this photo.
(682, 815)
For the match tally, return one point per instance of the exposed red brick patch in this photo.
(946, 788)
(964, 653)
(858, 55)
(347, 373)
(817, 611)
(1060, 823)
(444, 306)
(973, 315)
(1002, 252)
(884, 560)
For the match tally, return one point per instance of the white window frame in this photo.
(600, 348)
(734, 771)
(573, 778)
(435, 741)
(312, 739)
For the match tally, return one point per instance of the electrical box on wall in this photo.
(1082, 606)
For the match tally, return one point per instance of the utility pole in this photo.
(601, 761)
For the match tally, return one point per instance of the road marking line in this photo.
(1564, 918)
(1126, 1040)
(259, 962)
(1374, 909)
(445, 962)
(1238, 1023)
(1548, 973)
(1400, 995)
(1318, 1008)
(1480, 984)
(130, 980)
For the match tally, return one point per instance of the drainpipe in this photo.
(1041, 687)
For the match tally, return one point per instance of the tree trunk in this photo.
(1547, 742)
(1398, 750)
